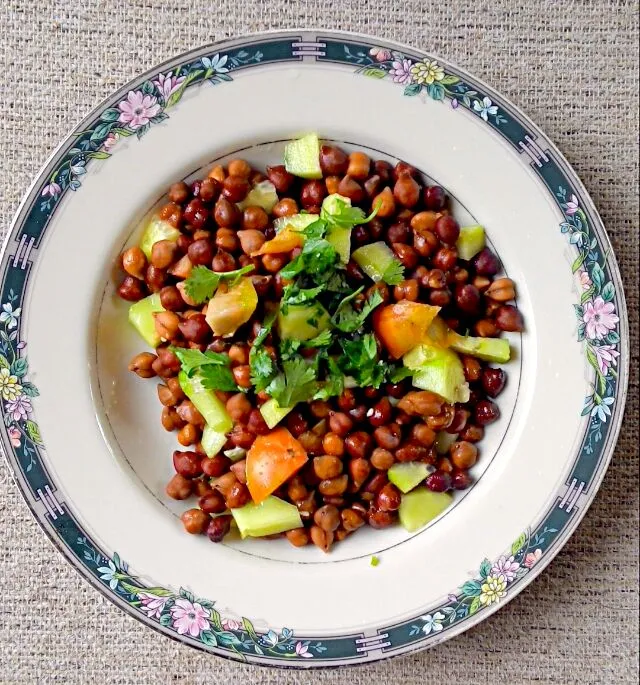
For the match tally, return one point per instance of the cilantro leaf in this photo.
(293, 295)
(394, 273)
(337, 211)
(289, 347)
(321, 340)
(347, 319)
(297, 383)
(317, 259)
(263, 368)
(267, 325)
(202, 283)
(217, 378)
(399, 373)
(360, 360)
(333, 384)
(193, 360)
(315, 231)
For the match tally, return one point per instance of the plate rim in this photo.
(598, 226)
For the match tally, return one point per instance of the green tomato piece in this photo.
(157, 230)
(141, 317)
(271, 516)
(408, 475)
(374, 259)
(207, 403)
(273, 413)
(420, 506)
(471, 241)
(302, 157)
(495, 350)
(212, 440)
(438, 370)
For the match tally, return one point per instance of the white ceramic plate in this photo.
(82, 434)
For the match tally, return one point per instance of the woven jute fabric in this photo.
(573, 67)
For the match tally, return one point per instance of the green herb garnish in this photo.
(296, 383)
(360, 360)
(212, 369)
(202, 283)
(394, 273)
(347, 319)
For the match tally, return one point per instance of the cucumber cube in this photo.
(420, 506)
(212, 440)
(273, 413)
(157, 230)
(141, 317)
(302, 157)
(470, 242)
(271, 516)
(407, 475)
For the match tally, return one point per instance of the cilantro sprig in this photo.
(203, 282)
(212, 369)
(360, 359)
(394, 273)
(347, 319)
(296, 383)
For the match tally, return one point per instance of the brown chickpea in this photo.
(403, 168)
(178, 193)
(424, 221)
(372, 186)
(443, 420)
(327, 466)
(218, 173)
(298, 537)
(224, 483)
(179, 487)
(380, 413)
(381, 519)
(407, 290)
(188, 435)
(359, 469)
(340, 423)
(187, 412)
(398, 232)
(423, 434)
(134, 262)
(181, 269)
(285, 207)
(274, 262)
(411, 452)
(296, 423)
(463, 454)
(406, 191)
(237, 496)
(445, 465)
(183, 243)
(388, 437)
(226, 239)
(351, 519)
(445, 258)
(437, 279)
(254, 219)
(486, 328)
(472, 368)
(386, 203)
(333, 486)
(296, 490)
(141, 365)
(194, 521)
(262, 284)
(215, 466)
(195, 328)
(218, 527)
(238, 407)
(388, 499)
(333, 444)
(281, 178)
(239, 353)
(349, 187)
(311, 442)
(440, 298)
(132, 289)
(223, 261)
(320, 409)
(166, 324)
(407, 255)
(170, 419)
(382, 459)
(312, 193)
(212, 502)
(321, 538)
(333, 160)
(359, 165)
(242, 375)
(331, 183)
(327, 517)
(359, 413)
(166, 397)
(171, 213)
(358, 444)
(239, 167)
(209, 190)
(235, 188)
(508, 318)
(163, 253)
(226, 214)
(256, 423)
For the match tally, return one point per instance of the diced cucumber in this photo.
(235, 453)
(271, 516)
(296, 221)
(444, 441)
(212, 440)
(407, 475)
(420, 506)
(333, 204)
(207, 403)
(438, 370)
(471, 241)
(340, 238)
(273, 413)
(141, 317)
(495, 350)
(374, 259)
(263, 195)
(303, 321)
(156, 230)
(302, 157)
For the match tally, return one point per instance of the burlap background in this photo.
(573, 67)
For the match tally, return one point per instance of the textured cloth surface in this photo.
(573, 67)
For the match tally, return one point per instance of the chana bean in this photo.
(382, 459)
(486, 412)
(463, 454)
(285, 207)
(377, 518)
(332, 487)
(132, 289)
(298, 537)
(327, 517)
(388, 437)
(372, 186)
(398, 232)
(493, 381)
(179, 192)
(486, 263)
(460, 480)
(333, 160)
(321, 538)
(447, 229)
(281, 178)
(508, 318)
(141, 365)
(388, 498)
(327, 466)
(407, 255)
(333, 444)
(407, 290)
(134, 262)
(359, 165)
(179, 487)
(225, 213)
(349, 187)
(358, 444)
(406, 190)
(218, 527)
(485, 328)
(194, 521)
(166, 324)
(215, 466)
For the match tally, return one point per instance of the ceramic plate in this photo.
(82, 434)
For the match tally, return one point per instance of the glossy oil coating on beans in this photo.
(351, 440)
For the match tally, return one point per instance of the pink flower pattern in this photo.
(380, 54)
(533, 558)
(15, 435)
(19, 408)
(189, 618)
(599, 317)
(152, 605)
(137, 109)
(303, 651)
(585, 279)
(168, 83)
(572, 206)
(606, 356)
(401, 71)
(505, 566)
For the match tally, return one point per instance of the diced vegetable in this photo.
(271, 516)
(403, 325)
(297, 222)
(235, 453)
(157, 230)
(272, 459)
(273, 413)
(141, 317)
(212, 440)
(374, 259)
(471, 241)
(495, 350)
(303, 321)
(302, 157)
(263, 195)
(227, 311)
(438, 370)
(407, 475)
(444, 441)
(420, 506)
(285, 241)
(340, 238)
(207, 403)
